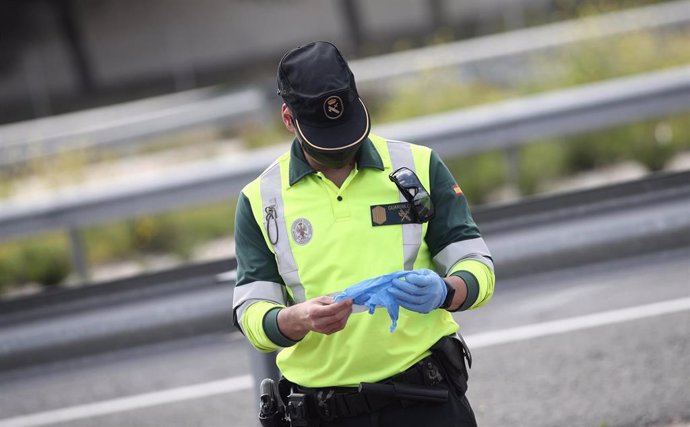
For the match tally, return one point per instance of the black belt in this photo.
(417, 384)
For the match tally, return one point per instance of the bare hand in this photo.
(318, 314)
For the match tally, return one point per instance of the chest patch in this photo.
(393, 214)
(302, 231)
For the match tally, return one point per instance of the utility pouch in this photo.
(452, 352)
(297, 409)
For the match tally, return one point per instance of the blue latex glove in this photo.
(422, 290)
(374, 293)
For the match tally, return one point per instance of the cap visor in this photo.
(343, 135)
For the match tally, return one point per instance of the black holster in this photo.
(452, 352)
(271, 409)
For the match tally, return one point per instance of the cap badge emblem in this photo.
(333, 107)
(302, 231)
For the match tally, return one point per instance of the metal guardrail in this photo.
(57, 302)
(501, 125)
(533, 235)
(580, 109)
(493, 219)
(656, 188)
(133, 123)
(126, 124)
(456, 54)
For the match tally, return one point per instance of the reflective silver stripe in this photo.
(272, 196)
(245, 295)
(474, 249)
(259, 290)
(401, 155)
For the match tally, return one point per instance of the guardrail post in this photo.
(512, 165)
(437, 14)
(350, 12)
(78, 252)
(513, 17)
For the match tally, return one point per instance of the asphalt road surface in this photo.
(601, 345)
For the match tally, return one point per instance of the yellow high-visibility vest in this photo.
(325, 239)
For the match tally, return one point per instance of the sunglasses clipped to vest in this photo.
(414, 192)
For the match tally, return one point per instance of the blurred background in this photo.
(127, 129)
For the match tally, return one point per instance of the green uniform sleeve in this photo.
(453, 223)
(255, 261)
(257, 272)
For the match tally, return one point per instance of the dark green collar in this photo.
(367, 157)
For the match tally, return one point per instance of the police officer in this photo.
(342, 206)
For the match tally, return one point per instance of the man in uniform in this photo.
(340, 207)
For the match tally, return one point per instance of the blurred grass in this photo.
(429, 94)
(39, 259)
(71, 168)
(44, 259)
(613, 57)
(177, 232)
(652, 143)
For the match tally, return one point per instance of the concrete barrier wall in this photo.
(178, 44)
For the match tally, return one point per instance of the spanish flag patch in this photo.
(458, 191)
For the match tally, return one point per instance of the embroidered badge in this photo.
(378, 215)
(404, 214)
(333, 107)
(457, 190)
(302, 231)
(393, 214)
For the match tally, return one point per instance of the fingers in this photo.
(322, 300)
(335, 326)
(326, 307)
(413, 296)
(410, 302)
(402, 297)
(330, 325)
(409, 287)
(423, 272)
(327, 317)
(418, 279)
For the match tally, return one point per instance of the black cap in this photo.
(317, 85)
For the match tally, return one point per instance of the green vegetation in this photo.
(177, 232)
(41, 260)
(651, 143)
(611, 57)
(44, 259)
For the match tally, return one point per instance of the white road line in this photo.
(245, 382)
(129, 403)
(536, 330)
